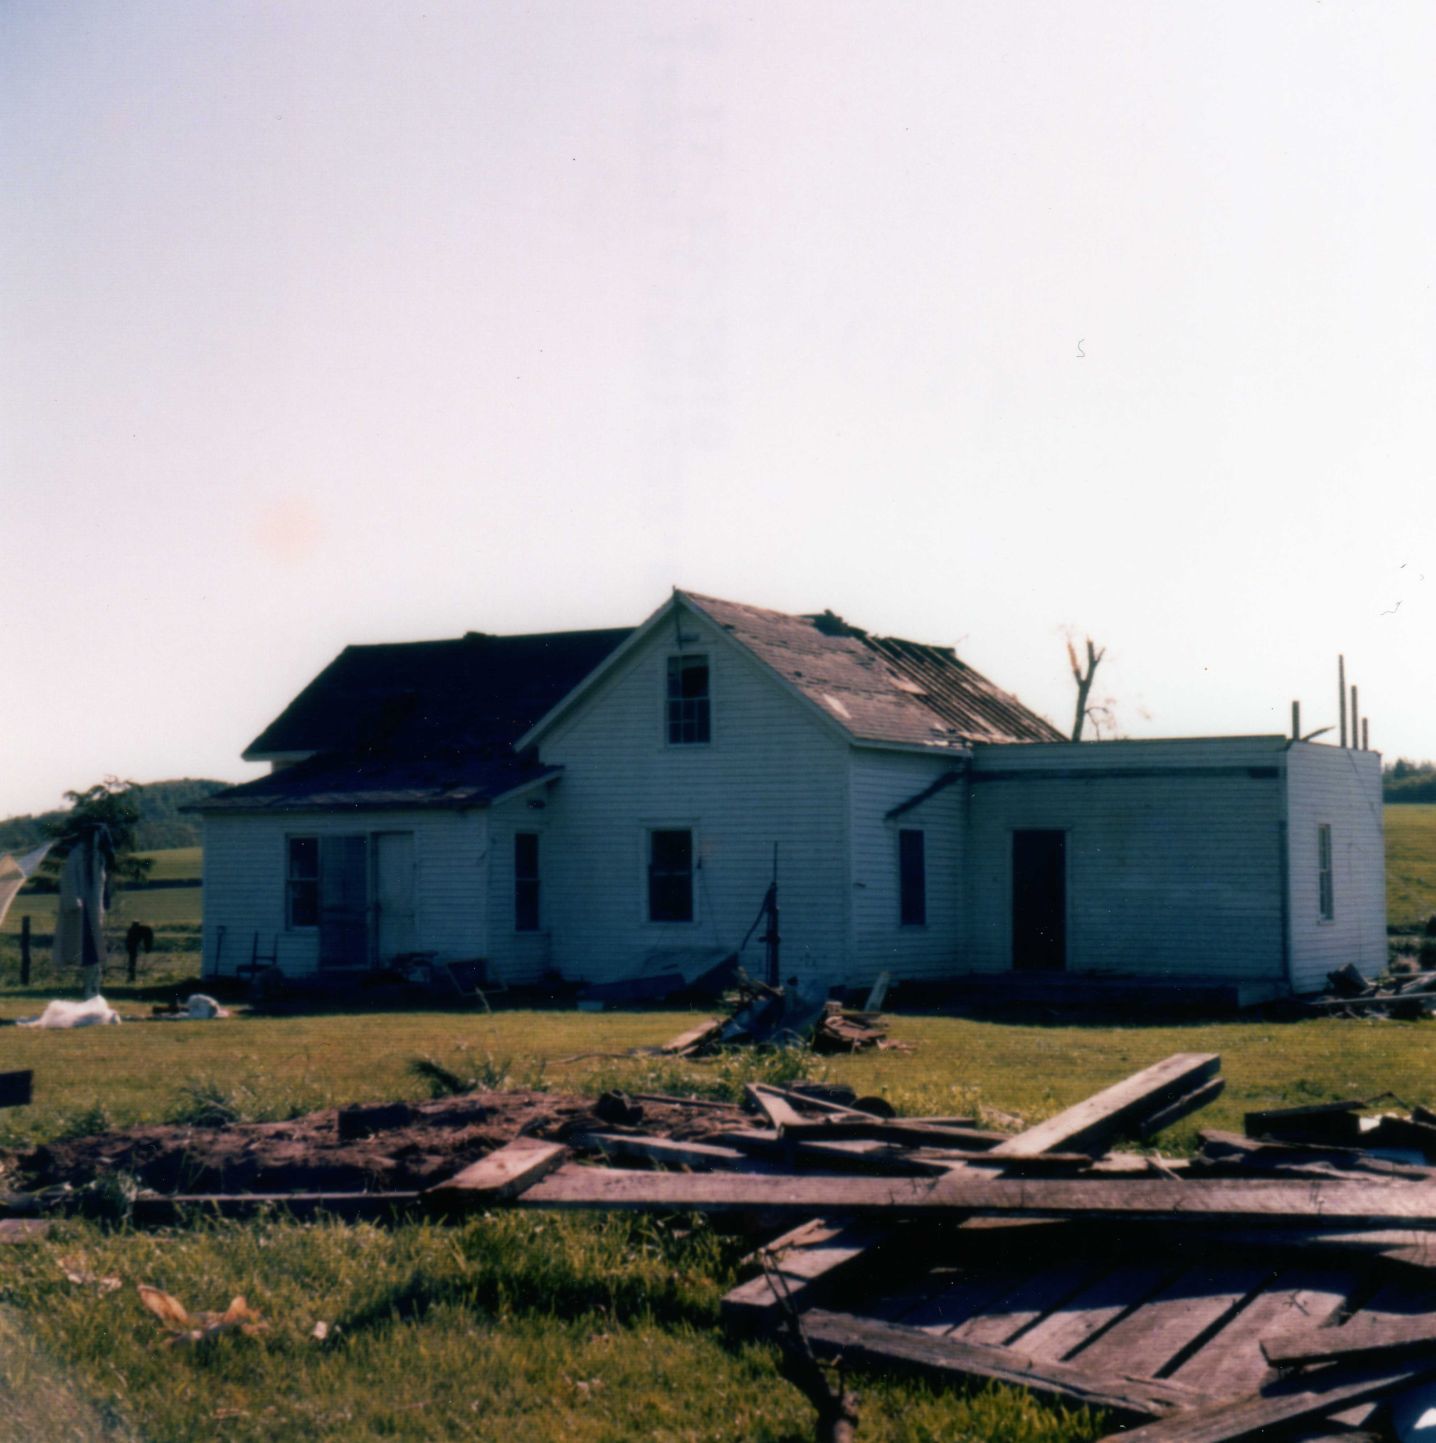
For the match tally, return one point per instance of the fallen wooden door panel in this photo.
(1232, 1363)
(866, 1340)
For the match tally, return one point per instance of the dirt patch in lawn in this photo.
(403, 1146)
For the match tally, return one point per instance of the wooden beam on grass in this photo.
(661, 1151)
(1096, 1121)
(1336, 1205)
(706, 1031)
(504, 1174)
(868, 1340)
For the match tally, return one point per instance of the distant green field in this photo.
(180, 864)
(1410, 863)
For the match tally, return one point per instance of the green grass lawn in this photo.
(1410, 863)
(525, 1325)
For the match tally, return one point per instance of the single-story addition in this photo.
(588, 804)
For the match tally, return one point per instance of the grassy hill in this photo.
(162, 825)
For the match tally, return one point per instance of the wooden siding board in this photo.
(1343, 788)
(878, 782)
(1178, 875)
(772, 773)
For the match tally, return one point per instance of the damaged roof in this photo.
(417, 724)
(475, 691)
(880, 689)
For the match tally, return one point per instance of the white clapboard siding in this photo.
(1175, 868)
(1342, 788)
(245, 860)
(773, 773)
(880, 781)
(518, 958)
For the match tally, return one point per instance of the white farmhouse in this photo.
(603, 804)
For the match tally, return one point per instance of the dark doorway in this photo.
(343, 902)
(1039, 901)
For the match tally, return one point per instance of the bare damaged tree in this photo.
(1084, 682)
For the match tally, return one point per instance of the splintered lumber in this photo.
(1314, 1204)
(848, 1155)
(1194, 1101)
(895, 1130)
(504, 1173)
(352, 1206)
(15, 1088)
(1096, 1121)
(868, 1340)
(1281, 1402)
(695, 1037)
(823, 1104)
(1358, 1338)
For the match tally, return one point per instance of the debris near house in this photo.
(1262, 1285)
(1272, 1280)
(92, 1012)
(1403, 995)
(761, 1014)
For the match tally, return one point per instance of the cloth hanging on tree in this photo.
(80, 913)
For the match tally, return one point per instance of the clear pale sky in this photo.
(328, 323)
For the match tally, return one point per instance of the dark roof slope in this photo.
(418, 724)
(476, 691)
(879, 689)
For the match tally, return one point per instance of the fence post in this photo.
(25, 950)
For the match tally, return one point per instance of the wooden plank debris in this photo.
(1098, 1120)
(694, 1038)
(865, 1340)
(1281, 1403)
(661, 1151)
(1357, 1339)
(1315, 1204)
(505, 1173)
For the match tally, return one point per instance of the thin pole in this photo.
(1365, 734)
(1341, 693)
(1355, 729)
(1296, 721)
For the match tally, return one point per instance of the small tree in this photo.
(1084, 685)
(113, 804)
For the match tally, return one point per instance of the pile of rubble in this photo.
(1408, 996)
(1280, 1279)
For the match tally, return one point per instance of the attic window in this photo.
(689, 701)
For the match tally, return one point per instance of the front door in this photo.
(344, 901)
(1039, 901)
(394, 894)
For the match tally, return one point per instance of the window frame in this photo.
(701, 719)
(651, 873)
(912, 877)
(1325, 874)
(528, 883)
(294, 880)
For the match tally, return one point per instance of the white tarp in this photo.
(92, 1012)
(15, 871)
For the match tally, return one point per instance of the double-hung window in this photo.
(301, 884)
(526, 881)
(689, 702)
(670, 875)
(912, 878)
